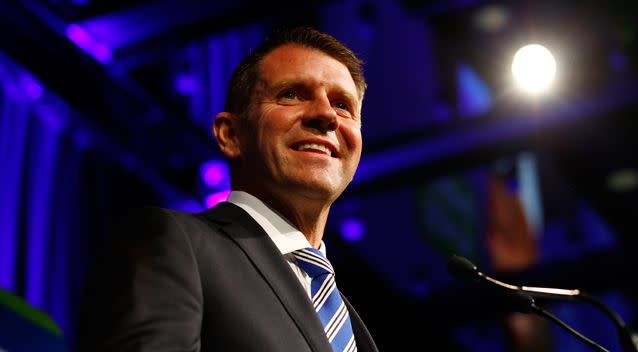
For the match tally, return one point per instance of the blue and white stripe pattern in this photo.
(327, 300)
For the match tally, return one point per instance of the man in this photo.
(244, 275)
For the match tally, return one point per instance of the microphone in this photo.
(464, 269)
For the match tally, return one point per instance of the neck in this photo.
(305, 214)
(311, 222)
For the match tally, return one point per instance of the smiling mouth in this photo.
(313, 147)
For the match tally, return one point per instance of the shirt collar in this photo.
(287, 237)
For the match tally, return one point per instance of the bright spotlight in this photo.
(534, 68)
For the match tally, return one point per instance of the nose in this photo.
(321, 116)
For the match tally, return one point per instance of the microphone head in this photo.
(462, 268)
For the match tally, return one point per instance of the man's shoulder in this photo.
(149, 228)
(154, 220)
(150, 218)
(148, 222)
(223, 213)
(211, 230)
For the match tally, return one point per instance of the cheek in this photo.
(271, 143)
(263, 129)
(269, 137)
(352, 138)
(274, 128)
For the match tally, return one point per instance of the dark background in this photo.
(106, 105)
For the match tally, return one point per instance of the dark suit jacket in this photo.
(213, 281)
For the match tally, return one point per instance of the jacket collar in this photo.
(253, 240)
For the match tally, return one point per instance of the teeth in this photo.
(315, 146)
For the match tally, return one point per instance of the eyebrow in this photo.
(300, 84)
(283, 84)
(350, 97)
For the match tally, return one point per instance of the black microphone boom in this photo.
(464, 269)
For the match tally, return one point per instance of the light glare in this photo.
(352, 229)
(534, 68)
(215, 174)
(83, 39)
(215, 198)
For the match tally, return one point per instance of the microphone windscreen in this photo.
(462, 268)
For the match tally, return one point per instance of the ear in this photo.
(225, 129)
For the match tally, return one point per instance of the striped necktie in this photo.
(326, 299)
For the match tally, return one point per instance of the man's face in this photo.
(302, 134)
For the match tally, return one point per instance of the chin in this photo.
(317, 190)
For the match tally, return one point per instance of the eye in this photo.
(289, 95)
(343, 108)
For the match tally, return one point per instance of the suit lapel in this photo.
(263, 253)
(365, 343)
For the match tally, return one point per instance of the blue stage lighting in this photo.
(352, 229)
(86, 42)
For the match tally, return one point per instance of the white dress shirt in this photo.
(287, 237)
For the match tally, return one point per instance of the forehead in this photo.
(298, 63)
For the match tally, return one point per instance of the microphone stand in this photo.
(625, 336)
(524, 303)
(466, 270)
(553, 318)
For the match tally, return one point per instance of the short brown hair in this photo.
(244, 78)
